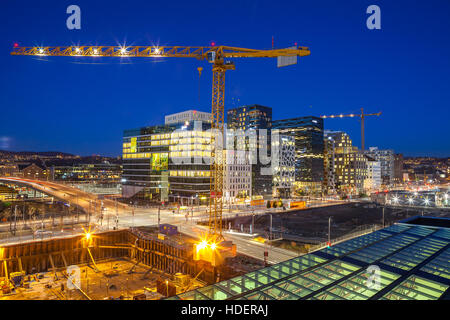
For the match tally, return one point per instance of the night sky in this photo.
(82, 105)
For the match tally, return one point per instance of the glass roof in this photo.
(412, 263)
(416, 288)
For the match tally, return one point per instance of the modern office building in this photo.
(386, 158)
(283, 164)
(398, 168)
(373, 179)
(237, 182)
(249, 121)
(145, 163)
(309, 149)
(350, 164)
(98, 172)
(329, 178)
(187, 116)
(168, 163)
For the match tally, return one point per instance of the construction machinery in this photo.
(219, 57)
(362, 116)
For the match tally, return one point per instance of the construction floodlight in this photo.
(284, 61)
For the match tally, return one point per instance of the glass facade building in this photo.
(309, 149)
(252, 118)
(170, 162)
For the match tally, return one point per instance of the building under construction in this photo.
(122, 264)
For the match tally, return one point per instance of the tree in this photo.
(268, 204)
(275, 204)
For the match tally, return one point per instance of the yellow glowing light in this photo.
(157, 50)
(88, 236)
(213, 246)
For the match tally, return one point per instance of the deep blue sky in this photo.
(83, 105)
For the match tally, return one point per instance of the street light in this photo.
(329, 231)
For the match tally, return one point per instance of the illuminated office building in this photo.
(387, 161)
(251, 119)
(283, 147)
(168, 163)
(350, 164)
(309, 149)
(237, 180)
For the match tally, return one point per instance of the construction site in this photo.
(129, 264)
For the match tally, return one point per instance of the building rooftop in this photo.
(413, 257)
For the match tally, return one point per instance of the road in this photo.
(130, 216)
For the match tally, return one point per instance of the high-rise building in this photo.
(187, 116)
(309, 149)
(329, 178)
(237, 180)
(146, 163)
(373, 179)
(350, 164)
(283, 148)
(398, 168)
(170, 162)
(386, 158)
(252, 120)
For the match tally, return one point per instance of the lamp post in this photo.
(329, 230)
(270, 235)
(167, 287)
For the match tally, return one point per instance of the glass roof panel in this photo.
(411, 256)
(421, 231)
(279, 294)
(260, 277)
(383, 248)
(416, 288)
(353, 244)
(213, 292)
(443, 233)
(439, 266)
(192, 295)
(231, 287)
(258, 296)
(358, 287)
(296, 288)
(397, 228)
(246, 282)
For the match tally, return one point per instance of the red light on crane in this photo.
(16, 45)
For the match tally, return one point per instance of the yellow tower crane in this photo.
(362, 116)
(219, 57)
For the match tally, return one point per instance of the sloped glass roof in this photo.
(413, 262)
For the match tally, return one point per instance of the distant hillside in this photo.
(32, 153)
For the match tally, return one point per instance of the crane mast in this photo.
(218, 56)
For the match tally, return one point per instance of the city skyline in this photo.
(95, 100)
